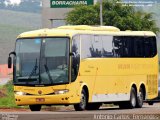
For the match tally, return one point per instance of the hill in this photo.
(23, 5)
(12, 24)
(21, 19)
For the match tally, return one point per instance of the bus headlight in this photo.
(61, 91)
(19, 93)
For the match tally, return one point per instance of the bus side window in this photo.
(86, 46)
(75, 58)
(153, 46)
(147, 47)
(118, 46)
(150, 47)
(128, 46)
(139, 47)
(107, 46)
(96, 48)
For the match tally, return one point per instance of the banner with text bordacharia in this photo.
(69, 3)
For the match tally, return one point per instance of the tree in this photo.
(114, 14)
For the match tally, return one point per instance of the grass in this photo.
(8, 100)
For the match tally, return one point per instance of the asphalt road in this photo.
(145, 113)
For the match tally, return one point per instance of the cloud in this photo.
(13, 2)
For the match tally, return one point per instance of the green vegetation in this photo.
(7, 96)
(114, 14)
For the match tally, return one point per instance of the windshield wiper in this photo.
(48, 73)
(33, 70)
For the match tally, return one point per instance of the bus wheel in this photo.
(35, 107)
(93, 106)
(131, 103)
(140, 97)
(83, 102)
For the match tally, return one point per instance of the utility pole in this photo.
(101, 9)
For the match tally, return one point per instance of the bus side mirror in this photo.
(9, 62)
(10, 59)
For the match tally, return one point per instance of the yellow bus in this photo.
(84, 66)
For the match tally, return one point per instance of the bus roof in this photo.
(91, 28)
(68, 31)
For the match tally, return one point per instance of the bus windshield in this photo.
(42, 61)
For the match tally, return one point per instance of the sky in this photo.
(15, 1)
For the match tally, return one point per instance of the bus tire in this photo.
(93, 106)
(131, 103)
(140, 97)
(35, 107)
(83, 102)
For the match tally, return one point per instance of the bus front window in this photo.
(27, 61)
(42, 61)
(55, 61)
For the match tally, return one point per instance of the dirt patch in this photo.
(13, 110)
(3, 93)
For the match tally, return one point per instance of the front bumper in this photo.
(62, 99)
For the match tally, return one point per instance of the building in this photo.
(54, 11)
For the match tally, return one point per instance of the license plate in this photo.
(40, 100)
